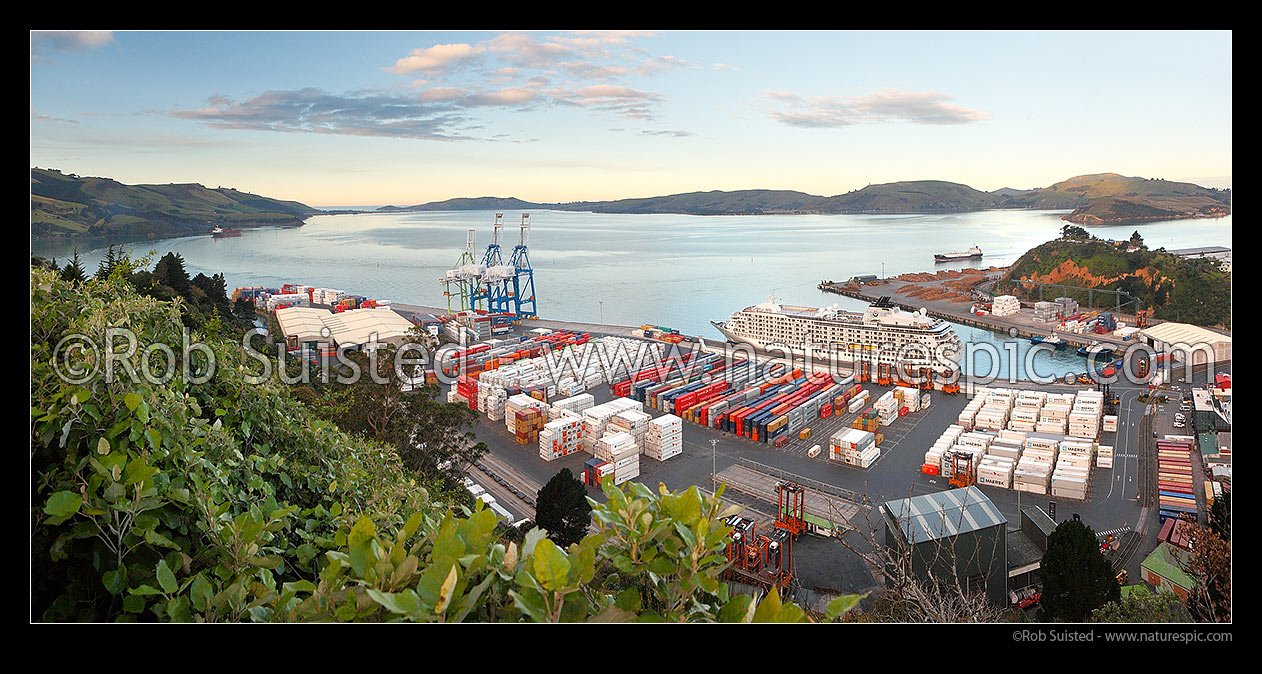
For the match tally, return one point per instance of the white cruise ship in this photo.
(881, 334)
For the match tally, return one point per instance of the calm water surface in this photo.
(675, 270)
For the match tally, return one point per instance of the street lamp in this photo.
(602, 311)
(714, 478)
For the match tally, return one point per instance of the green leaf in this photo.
(768, 608)
(102, 446)
(842, 605)
(166, 579)
(63, 504)
(132, 401)
(551, 566)
(445, 592)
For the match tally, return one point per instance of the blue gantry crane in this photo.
(492, 285)
(523, 274)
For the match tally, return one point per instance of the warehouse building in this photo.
(310, 328)
(951, 534)
(304, 328)
(1185, 338)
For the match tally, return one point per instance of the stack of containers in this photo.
(560, 437)
(1104, 456)
(1175, 495)
(1110, 423)
(887, 408)
(859, 401)
(911, 398)
(993, 415)
(853, 447)
(933, 457)
(620, 450)
(495, 399)
(594, 470)
(596, 419)
(632, 422)
(1005, 305)
(1072, 476)
(665, 438)
(996, 471)
(969, 414)
(527, 425)
(1046, 312)
(1034, 469)
(574, 404)
(520, 403)
(1084, 419)
(1054, 416)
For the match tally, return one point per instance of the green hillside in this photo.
(915, 196)
(740, 202)
(68, 205)
(1177, 289)
(1114, 198)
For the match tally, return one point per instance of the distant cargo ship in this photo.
(883, 333)
(220, 232)
(973, 253)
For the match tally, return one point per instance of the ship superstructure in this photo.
(882, 333)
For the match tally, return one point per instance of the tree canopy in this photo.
(1077, 579)
(562, 509)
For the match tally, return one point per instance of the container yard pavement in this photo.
(895, 475)
(532, 323)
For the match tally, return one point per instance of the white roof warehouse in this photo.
(1165, 336)
(317, 327)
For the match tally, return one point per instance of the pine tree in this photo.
(562, 509)
(73, 271)
(1077, 579)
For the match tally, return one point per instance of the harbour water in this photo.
(674, 270)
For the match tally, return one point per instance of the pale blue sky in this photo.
(331, 118)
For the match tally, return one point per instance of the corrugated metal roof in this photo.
(356, 327)
(1183, 333)
(943, 514)
(305, 323)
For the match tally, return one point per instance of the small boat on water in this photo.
(1053, 340)
(973, 253)
(1096, 348)
(220, 232)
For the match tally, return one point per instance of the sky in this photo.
(374, 118)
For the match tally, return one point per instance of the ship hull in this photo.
(954, 258)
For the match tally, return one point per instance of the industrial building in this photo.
(1185, 338)
(951, 534)
(1220, 253)
(309, 328)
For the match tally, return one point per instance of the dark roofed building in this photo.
(952, 534)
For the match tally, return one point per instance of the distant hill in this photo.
(68, 205)
(1177, 289)
(915, 196)
(1109, 198)
(1102, 198)
(918, 196)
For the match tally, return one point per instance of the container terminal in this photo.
(813, 457)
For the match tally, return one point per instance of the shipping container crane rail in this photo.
(490, 288)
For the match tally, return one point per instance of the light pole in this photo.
(602, 311)
(714, 478)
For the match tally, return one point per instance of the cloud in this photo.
(45, 41)
(724, 66)
(435, 59)
(929, 107)
(674, 133)
(620, 100)
(36, 117)
(315, 111)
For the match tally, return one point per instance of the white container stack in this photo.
(632, 422)
(492, 400)
(1072, 476)
(1104, 456)
(1110, 423)
(996, 471)
(665, 437)
(574, 404)
(853, 447)
(596, 419)
(1005, 305)
(620, 450)
(859, 401)
(561, 437)
(942, 444)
